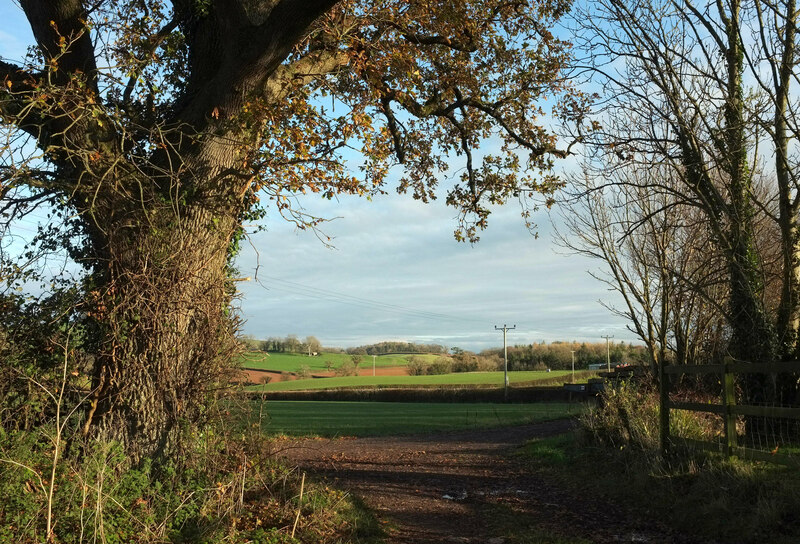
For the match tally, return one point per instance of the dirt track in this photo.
(452, 488)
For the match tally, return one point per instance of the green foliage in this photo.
(97, 494)
(35, 337)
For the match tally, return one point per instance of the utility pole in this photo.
(505, 330)
(573, 365)
(608, 352)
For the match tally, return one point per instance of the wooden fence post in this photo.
(728, 401)
(663, 394)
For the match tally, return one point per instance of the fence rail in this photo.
(728, 408)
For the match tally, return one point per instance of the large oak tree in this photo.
(159, 126)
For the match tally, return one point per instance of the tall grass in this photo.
(627, 416)
(56, 487)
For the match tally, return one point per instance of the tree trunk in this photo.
(752, 334)
(160, 305)
(789, 309)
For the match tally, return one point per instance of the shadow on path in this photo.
(464, 487)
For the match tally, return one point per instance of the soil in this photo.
(467, 487)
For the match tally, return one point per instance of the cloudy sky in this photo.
(396, 273)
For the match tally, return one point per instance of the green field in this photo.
(291, 362)
(459, 378)
(300, 418)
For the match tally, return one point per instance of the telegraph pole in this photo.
(573, 365)
(608, 352)
(505, 330)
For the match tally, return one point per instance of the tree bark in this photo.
(160, 304)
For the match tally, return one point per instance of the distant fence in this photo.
(778, 438)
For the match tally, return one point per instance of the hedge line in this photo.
(438, 394)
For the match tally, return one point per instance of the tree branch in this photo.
(59, 27)
(249, 56)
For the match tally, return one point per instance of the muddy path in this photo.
(468, 487)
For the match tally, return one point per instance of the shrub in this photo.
(490, 363)
(462, 364)
(627, 417)
(347, 368)
(304, 371)
(442, 365)
(417, 366)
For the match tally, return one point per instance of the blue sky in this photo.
(396, 272)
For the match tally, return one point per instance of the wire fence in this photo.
(752, 410)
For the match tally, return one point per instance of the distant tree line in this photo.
(558, 355)
(289, 344)
(292, 344)
(383, 348)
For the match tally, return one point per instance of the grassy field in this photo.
(300, 418)
(291, 362)
(460, 378)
